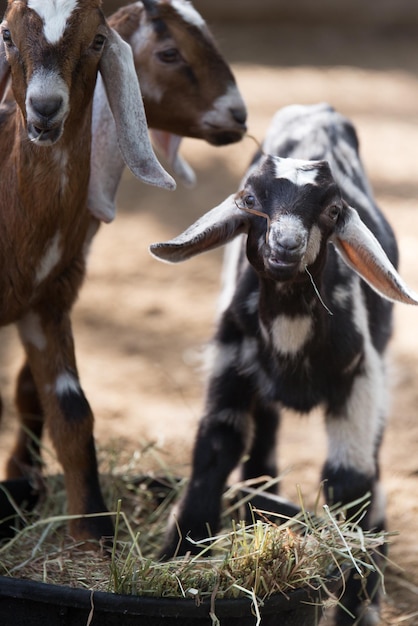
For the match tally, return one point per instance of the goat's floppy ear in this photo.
(168, 144)
(122, 89)
(212, 230)
(363, 253)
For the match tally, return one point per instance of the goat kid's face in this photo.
(182, 71)
(291, 209)
(54, 51)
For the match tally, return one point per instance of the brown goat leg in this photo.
(50, 352)
(26, 454)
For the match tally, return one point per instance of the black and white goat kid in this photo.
(300, 328)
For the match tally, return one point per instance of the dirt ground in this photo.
(141, 326)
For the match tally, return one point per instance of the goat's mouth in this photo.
(225, 137)
(44, 136)
(222, 135)
(280, 268)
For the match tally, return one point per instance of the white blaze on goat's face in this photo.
(188, 13)
(296, 171)
(55, 15)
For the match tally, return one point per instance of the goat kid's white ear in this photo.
(123, 92)
(363, 253)
(214, 229)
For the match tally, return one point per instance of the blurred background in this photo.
(141, 326)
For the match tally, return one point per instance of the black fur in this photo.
(252, 372)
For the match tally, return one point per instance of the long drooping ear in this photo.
(122, 89)
(363, 253)
(4, 70)
(212, 230)
(167, 145)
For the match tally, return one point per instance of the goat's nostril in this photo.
(290, 244)
(239, 114)
(46, 107)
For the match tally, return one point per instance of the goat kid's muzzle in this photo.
(46, 108)
(283, 255)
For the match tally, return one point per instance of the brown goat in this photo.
(54, 51)
(216, 97)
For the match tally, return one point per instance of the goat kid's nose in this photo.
(46, 108)
(289, 243)
(239, 114)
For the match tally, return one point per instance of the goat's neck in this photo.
(294, 299)
(53, 178)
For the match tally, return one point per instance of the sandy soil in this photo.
(141, 326)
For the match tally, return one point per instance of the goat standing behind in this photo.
(300, 328)
(188, 90)
(54, 51)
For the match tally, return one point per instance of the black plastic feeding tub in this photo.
(28, 603)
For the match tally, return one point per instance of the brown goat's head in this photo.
(54, 50)
(182, 72)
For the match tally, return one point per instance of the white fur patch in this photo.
(296, 171)
(287, 224)
(50, 259)
(144, 39)
(188, 13)
(67, 383)
(353, 435)
(55, 15)
(289, 334)
(248, 358)
(30, 329)
(220, 357)
(220, 113)
(313, 247)
(342, 295)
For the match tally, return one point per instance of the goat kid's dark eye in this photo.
(171, 55)
(7, 38)
(98, 42)
(333, 213)
(249, 201)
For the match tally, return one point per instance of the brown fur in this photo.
(178, 113)
(44, 192)
(189, 88)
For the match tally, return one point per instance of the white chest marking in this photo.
(55, 15)
(289, 334)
